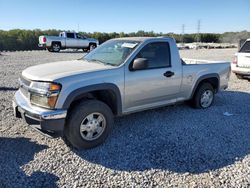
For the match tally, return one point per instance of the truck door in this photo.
(158, 84)
(82, 41)
(71, 41)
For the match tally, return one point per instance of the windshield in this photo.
(112, 52)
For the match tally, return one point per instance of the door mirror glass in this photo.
(139, 64)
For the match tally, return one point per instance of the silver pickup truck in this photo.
(80, 98)
(67, 40)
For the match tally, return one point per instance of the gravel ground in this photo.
(167, 147)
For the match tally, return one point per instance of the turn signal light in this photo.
(54, 87)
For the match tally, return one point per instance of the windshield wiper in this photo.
(109, 64)
(100, 61)
(96, 60)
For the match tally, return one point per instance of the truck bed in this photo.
(194, 68)
(187, 61)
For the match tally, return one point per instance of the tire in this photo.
(50, 49)
(56, 47)
(92, 46)
(239, 76)
(85, 49)
(82, 126)
(203, 97)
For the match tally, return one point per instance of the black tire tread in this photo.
(72, 127)
(195, 101)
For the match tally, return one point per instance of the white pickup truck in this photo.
(241, 63)
(67, 40)
(80, 98)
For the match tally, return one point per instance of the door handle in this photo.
(168, 74)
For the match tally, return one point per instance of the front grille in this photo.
(24, 85)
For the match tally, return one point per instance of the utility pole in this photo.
(198, 31)
(183, 32)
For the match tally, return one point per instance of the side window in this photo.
(71, 35)
(157, 54)
(78, 36)
(246, 47)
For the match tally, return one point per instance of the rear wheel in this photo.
(56, 47)
(50, 49)
(204, 96)
(89, 124)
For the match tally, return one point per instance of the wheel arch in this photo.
(56, 42)
(94, 43)
(213, 79)
(107, 93)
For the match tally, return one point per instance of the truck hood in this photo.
(57, 70)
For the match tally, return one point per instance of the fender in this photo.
(80, 92)
(200, 79)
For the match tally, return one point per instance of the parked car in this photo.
(241, 63)
(80, 98)
(67, 40)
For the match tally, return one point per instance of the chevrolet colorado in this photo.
(80, 98)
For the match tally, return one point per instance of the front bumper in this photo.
(49, 122)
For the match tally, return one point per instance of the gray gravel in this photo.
(167, 147)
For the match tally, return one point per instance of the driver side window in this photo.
(157, 54)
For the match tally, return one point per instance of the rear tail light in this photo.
(235, 60)
(44, 39)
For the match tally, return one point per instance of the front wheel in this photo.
(204, 96)
(85, 49)
(91, 46)
(89, 124)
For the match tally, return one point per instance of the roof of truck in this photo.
(140, 38)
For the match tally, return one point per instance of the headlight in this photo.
(44, 94)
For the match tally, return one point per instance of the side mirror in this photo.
(139, 64)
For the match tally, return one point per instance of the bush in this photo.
(18, 39)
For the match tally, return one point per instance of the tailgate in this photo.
(41, 40)
(244, 60)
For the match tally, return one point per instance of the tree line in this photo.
(19, 39)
